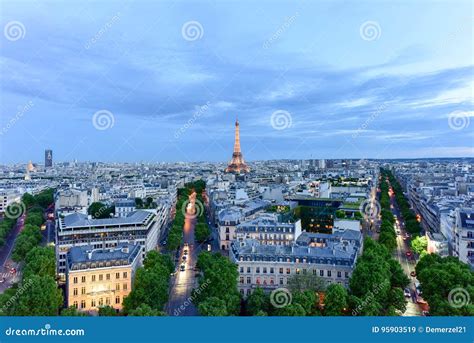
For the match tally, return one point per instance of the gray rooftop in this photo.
(138, 217)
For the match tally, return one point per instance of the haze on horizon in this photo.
(144, 81)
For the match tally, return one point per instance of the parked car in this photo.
(407, 292)
(413, 273)
(182, 267)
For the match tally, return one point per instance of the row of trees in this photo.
(37, 294)
(217, 294)
(377, 283)
(447, 285)
(411, 224)
(150, 287)
(6, 225)
(387, 236)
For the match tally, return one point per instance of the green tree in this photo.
(202, 232)
(145, 310)
(107, 311)
(257, 301)
(419, 245)
(99, 210)
(302, 282)
(307, 300)
(213, 307)
(28, 200)
(29, 238)
(336, 300)
(40, 261)
(71, 311)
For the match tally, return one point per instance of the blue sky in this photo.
(373, 79)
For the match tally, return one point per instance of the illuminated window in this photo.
(117, 300)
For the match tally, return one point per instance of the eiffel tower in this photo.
(237, 164)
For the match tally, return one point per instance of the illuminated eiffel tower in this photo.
(237, 164)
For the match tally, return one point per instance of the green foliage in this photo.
(28, 238)
(107, 311)
(441, 277)
(218, 280)
(303, 282)
(34, 218)
(5, 228)
(40, 261)
(145, 310)
(419, 245)
(202, 232)
(151, 283)
(336, 300)
(375, 277)
(28, 200)
(99, 210)
(71, 311)
(213, 306)
(257, 302)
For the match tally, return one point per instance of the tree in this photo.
(138, 202)
(213, 306)
(71, 311)
(202, 232)
(35, 219)
(145, 310)
(307, 300)
(29, 238)
(40, 261)
(336, 300)
(28, 200)
(257, 302)
(419, 245)
(107, 311)
(99, 210)
(40, 297)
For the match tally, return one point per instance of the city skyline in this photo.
(164, 82)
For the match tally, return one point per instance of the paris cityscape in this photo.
(159, 160)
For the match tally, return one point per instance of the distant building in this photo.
(464, 236)
(6, 198)
(139, 227)
(124, 207)
(329, 256)
(48, 158)
(100, 277)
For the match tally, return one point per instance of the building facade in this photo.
(100, 277)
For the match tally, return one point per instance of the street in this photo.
(6, 277)
(407, 263)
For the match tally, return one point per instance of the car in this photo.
(182, 267)
(408, 253)
(407, 293)
(184, 258)
(413, 273)
(185, 251)
(13, 270)
(209, 248)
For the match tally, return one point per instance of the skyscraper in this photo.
(237, 164)
(48, 158)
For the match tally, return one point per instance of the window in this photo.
(125, 286)
(339, 274)
(257, 270)
(346, 274)
(83, 304)
(304, 271)
(329, 273)
(107, 276)
(321, 272)
(101, 301)
(249, 280)
(241, 269)
(314, 271)
(75, 279)
(297, 271)
(117, 275)
(75, 304)
(83, 290)
(288, 270)
(241, 279)
(249, 270)
(83, 279)
(117, 287)
(281, 281)
(117, 300)
(93, 278)
(93, 303)
(281, 270)
(101, 277)
(124, 275)
(107, 301)
(264, 270)
(272, 270)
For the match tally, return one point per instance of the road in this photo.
(408, 263)
(5, 253)
(183, 282)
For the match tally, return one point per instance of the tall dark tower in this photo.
(48, 158)
(237, 164)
